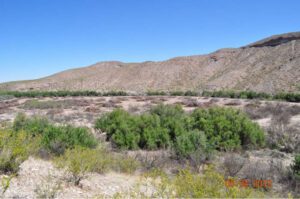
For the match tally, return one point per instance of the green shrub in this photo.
(79, 161)
(296, 167)
(14, 149)
(154, 93)
(191, 93)
(290, 97)
(166, 125)
(227, 128)
(54, 138)
(152, 134)
(35, 125)
(186, 144)
(187, 184)
(67, 136)
(121, 128)
(115, 93)
(177, 93)
(172, 118)
(19, 122)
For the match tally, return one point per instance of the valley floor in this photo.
(36, 174)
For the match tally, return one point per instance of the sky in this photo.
(42, 37)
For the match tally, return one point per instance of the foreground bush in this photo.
(168, 126)
(188, 185)
(14, 149)
(54, 138)
(79, 161)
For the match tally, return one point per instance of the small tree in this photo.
(78, 162)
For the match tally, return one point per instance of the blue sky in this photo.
(41, 37)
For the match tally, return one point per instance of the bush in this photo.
(227, 128)
(67, 136)
(172, 118)
(186, 144)
(79, 161)
(154, 93)
(115, 93)
(35, 125)
(177, 93)
(296, 167)
(290, 97)
(210, 185)
(187, 184)
(121, 128)
(14, 149)
(165, 126)
(48, 188)
(54, 138)
(152, 134)
(191, 93)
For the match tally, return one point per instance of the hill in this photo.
(269, 65)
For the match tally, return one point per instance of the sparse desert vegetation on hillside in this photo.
(261, 68)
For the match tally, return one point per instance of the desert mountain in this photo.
(269, 65)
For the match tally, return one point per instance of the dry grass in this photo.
(233, 103)
(151, 159)
(92, 109)
(55, 104)
(190, 102)
(111, 104)
(133, 109)
(279, 110)
(233, 163)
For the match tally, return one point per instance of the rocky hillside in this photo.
(270, 65)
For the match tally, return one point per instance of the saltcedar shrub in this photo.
(189, 142)
(153, 135)
(167, 126)
(227, 128)
(172, 118)
(121, 128)
(54, 138)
